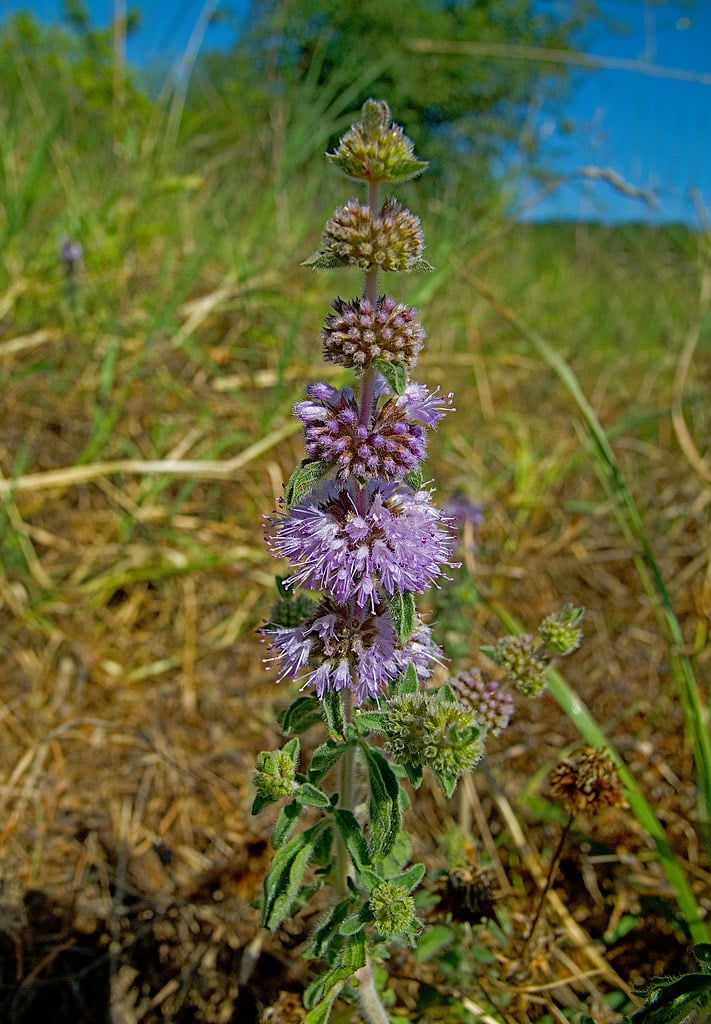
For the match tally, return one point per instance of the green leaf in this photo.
(283, 881)
(319, 942)
(411, 878)
(399, 856)
(370, 721)
(325, 261)
(285, 824)
(406, 682)
(332, 706)
(406, 170)
(447, 782)
(304, 713)
(395, 374)
(292, 749)
(354, 923)
(415, 774)
(311, 796)
(414, 479)
(432, 942)
(402, 609)
(324, 758)
(385, 813)
(321, 1014)
(261, 801)
(352, 835)
(350, 959)
(303, 480)
(323, 849)
(445, 695)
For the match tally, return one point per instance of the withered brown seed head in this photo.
(587, 782)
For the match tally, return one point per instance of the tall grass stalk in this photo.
(630, 521)
(589, 729)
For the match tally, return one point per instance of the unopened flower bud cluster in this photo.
(526, 658)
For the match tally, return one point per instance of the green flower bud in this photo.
(559, 631)
(274, 774)
(393, 911)
(355, 236)
(523, 663)
(290, 611)
(423, 731)
(375, 150)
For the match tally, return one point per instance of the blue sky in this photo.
(653, 133)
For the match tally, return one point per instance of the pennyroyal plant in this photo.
(362, 536)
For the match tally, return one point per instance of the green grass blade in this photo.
(630, 521)
(589, 729)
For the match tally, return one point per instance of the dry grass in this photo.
(134, 698)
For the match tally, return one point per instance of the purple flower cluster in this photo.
(356, 526)
(343, 647)
(399, 541)
(492, 707)
(392, 445)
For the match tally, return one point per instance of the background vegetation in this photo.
(145, 430)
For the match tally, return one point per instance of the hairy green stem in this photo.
(370, 1006)
(346, 802)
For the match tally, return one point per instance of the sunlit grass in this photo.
(145, 430)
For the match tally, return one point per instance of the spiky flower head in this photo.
(274, 775)
(424, 730)
(375, 149)
(491, 705)
(393, 911)
(587, 782)
(522, 662)
(338, 647)
(390, 447)
(355, 236)
(400, 543)
(559, 631)
(357, 333)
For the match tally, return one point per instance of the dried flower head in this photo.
(587, 782)
(376, 150)
(492, 707)
(357, 333)
(355, 236)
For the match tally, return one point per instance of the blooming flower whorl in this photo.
(400, 543)
(358, 333)
(392, 446)
(340, 647)
(355, 236)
